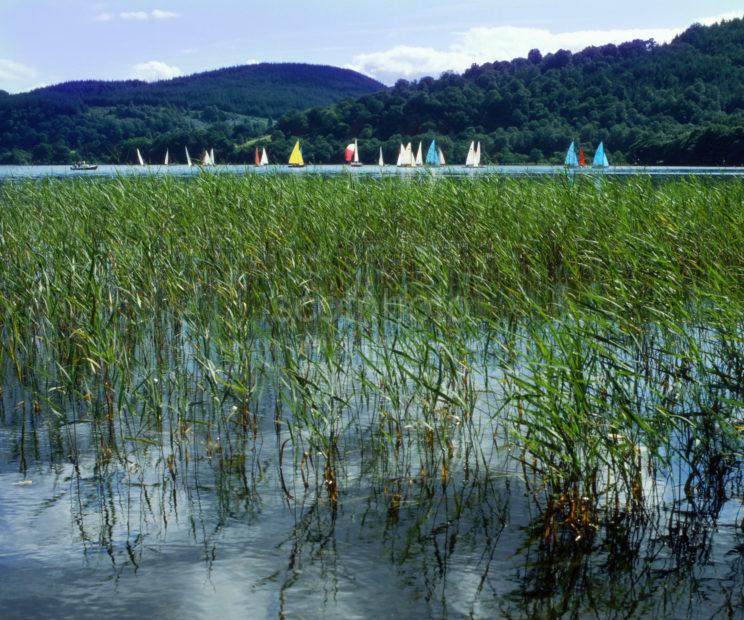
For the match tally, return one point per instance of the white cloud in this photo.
(158, 14)
(153, 71)
(11, 71)
(136, 15)
(487, 44)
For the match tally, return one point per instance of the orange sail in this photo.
(258, 158)
(582, 161)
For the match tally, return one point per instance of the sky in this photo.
(49, 41)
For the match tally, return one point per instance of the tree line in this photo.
(678, 103)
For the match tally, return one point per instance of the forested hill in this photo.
(266, 90)
(224, 109)
(679, 103)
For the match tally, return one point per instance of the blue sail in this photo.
(600, 158)
(571, 159)
(432, 158)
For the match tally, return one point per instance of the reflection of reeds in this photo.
(415, 335)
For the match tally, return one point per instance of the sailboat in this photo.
(264, 157)
(212, 161)
(381, 161)
(600, 158)
(167, 158)
(432, 156)
(405, 158)
(139, 158)
(351, 155)
(295, 159)
(474, 156)
(440, 156)
(188, 158)
(582, 159)
(206, 160)
(470, 159)
(571, 159)
(257, 158)
(419, 157)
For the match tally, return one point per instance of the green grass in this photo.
(591, 330)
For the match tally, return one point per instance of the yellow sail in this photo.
(295, 159)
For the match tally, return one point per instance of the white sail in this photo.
(264, 158)
(381, 161)
(356, 152)
(188, 158)
(205, 160)
(211, 158)
(477, 155)
(408, 158)
(167, 157)
(440, 155)
(139, 158)
(470, 160)
(419, 157)
(401, 154)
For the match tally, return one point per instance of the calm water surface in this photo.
(202, 517)
(34, 172)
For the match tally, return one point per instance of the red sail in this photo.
(258, 158)
(582, 161)
(349, 153)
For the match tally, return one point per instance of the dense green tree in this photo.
(108, 121)
(677, 103)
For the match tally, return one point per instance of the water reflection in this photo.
(313, 496)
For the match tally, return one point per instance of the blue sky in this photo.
(48, 41)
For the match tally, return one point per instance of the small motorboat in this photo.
(83, 165)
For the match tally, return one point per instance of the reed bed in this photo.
(583, 335)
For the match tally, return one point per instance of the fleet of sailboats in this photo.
(261, 159)
(575, 158)
(578, 161)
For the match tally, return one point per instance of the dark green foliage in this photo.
(107, 121)
(681, 103)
